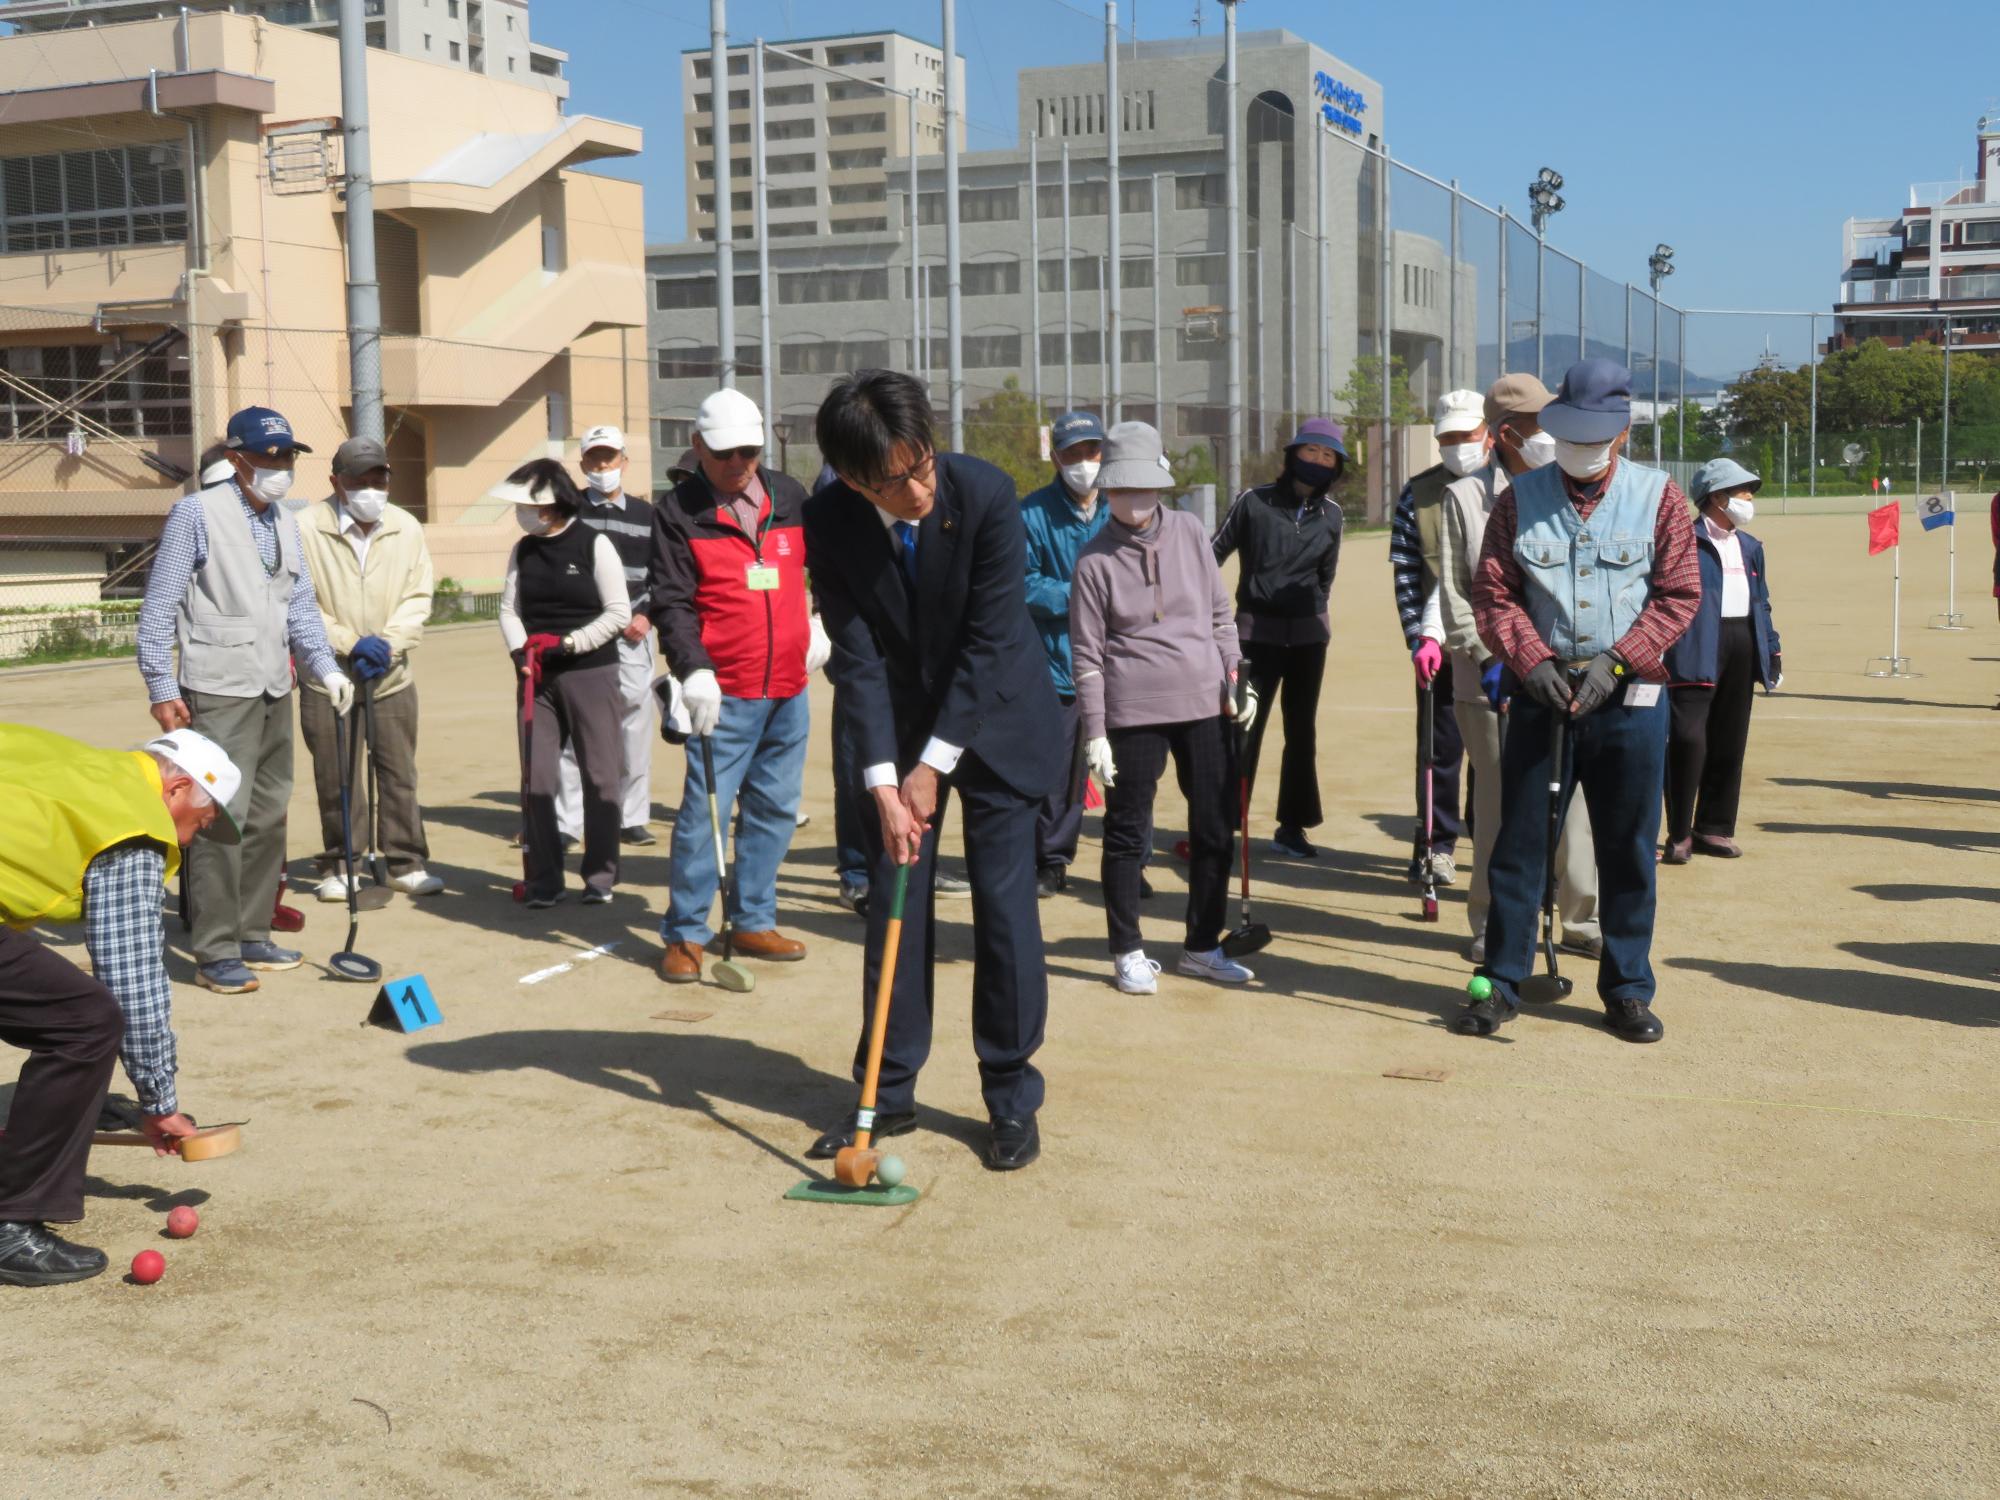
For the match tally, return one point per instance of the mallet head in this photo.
(855, 1165)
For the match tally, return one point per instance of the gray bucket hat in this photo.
(1721, 474)
(1134, 460)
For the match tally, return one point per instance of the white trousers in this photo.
(641, 727)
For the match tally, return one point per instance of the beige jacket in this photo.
(391, 599)
(1463, 511)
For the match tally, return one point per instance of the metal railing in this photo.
(1918, 289)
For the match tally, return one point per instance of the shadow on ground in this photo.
(1859, 989)
(1891, 791)
(1929, 892)
(1939, 838)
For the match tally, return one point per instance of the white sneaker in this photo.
(333, 888)
(1137, 974)
(1477, 952)
(1444, 867)
(417, 883)
(1215, 966)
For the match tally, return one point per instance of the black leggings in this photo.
(1204, 753)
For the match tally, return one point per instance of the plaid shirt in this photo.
(1406, 562)
(121, 929)
(184, 549)
(1499, 592)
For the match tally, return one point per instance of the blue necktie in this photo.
(906, 535)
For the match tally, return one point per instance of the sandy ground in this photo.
(540, 1250)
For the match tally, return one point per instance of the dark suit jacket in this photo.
(959, 661)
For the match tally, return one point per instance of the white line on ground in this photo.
(582, 958)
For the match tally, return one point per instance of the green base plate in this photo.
(825, 1190)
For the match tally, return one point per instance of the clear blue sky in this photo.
(1742, 133)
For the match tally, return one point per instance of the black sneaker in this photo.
(1633, 1020)
(637, 835)
(1053, 880)
(31, 1256)
(1292, 842)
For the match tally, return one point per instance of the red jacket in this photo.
(708, 615)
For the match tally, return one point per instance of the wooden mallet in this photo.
(207, 1143)
(855, 1165)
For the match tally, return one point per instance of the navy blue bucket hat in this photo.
(1594, 404)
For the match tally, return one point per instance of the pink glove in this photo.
(1428, 656)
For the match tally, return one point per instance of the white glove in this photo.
(820, 650)
(1097, 755)
(702, 695)
(340, 690)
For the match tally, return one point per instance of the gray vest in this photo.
(233, 630)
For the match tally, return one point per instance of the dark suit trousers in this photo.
(1060, 823)
(1447, 757)
(1010, 994)
(70, 1027)
(1711, 731)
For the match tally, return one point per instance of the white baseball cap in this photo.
(729, 419)
(601, 437)
(1459, 411)
(213, 771)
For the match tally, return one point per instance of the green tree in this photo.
(1691, 431)
(1196, 465)
(1760, 402)
(1871, 462)
(1767, 464)
(1005, 430)
(1361, 397)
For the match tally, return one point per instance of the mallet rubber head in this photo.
(1430, 908)
(855, 1165)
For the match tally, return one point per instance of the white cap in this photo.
(212, 769)
(601, 437)
(729, 419)
(1459, 411)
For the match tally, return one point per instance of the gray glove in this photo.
(1599, 683)
(1546, 686)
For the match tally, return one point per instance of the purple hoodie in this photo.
(1152, 630)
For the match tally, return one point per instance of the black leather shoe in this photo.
(836, 1140)
(31, 1256)
(1633, 1020)
(1015, 1143)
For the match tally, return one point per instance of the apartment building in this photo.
(489, 37)
(173, 250)
(845, 301)
(1937, 261)
(829, 135)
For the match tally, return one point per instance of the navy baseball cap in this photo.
(1074, 427)
(258, 429)
(1594, 404)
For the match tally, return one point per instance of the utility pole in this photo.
(766, 353)
(1232, 198)
(725, 246)
(364, 293)
(1115, 356)
(1069, 353)
(954, 323)
(917, 355)
(1035, 272)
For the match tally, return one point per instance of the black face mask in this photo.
(1318, 478)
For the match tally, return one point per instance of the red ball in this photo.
(148, 1266)
(182, 1222)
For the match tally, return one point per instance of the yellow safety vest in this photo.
(63, 803)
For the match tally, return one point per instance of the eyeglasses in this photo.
(742, 455)
(917, 475)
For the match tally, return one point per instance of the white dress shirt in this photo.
(357, 537)
(1735, 579)
(939, 755)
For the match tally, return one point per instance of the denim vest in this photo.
(1586, 581)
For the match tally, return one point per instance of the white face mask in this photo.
(529, 519)
(366, 505)
(605, 481)
(1584, 460)
(1134, 507)
(1081, 477)
(1464, 458)
(270, 485)
(1537, 451)
(1741, 510)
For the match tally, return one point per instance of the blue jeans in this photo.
(1617, 757)
(760, 758)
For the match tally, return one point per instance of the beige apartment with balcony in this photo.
(827, 137)
(172, 250)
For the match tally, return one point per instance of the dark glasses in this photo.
(741, 453)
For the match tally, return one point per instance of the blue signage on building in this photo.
(1339, 104)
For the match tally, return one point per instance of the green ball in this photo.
(1481, 988)
(889, 1171)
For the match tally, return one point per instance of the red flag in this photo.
(1883, 529)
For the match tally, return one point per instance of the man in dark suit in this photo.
(918, 559)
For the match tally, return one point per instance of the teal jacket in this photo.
(1057, 531)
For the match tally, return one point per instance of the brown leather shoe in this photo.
(681, 963)
(772, 946)
(1717, 845)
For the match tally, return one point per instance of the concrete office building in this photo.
(482, 36)
(1938, 259)
(166, 268)
(844, 302)
(828, 137)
